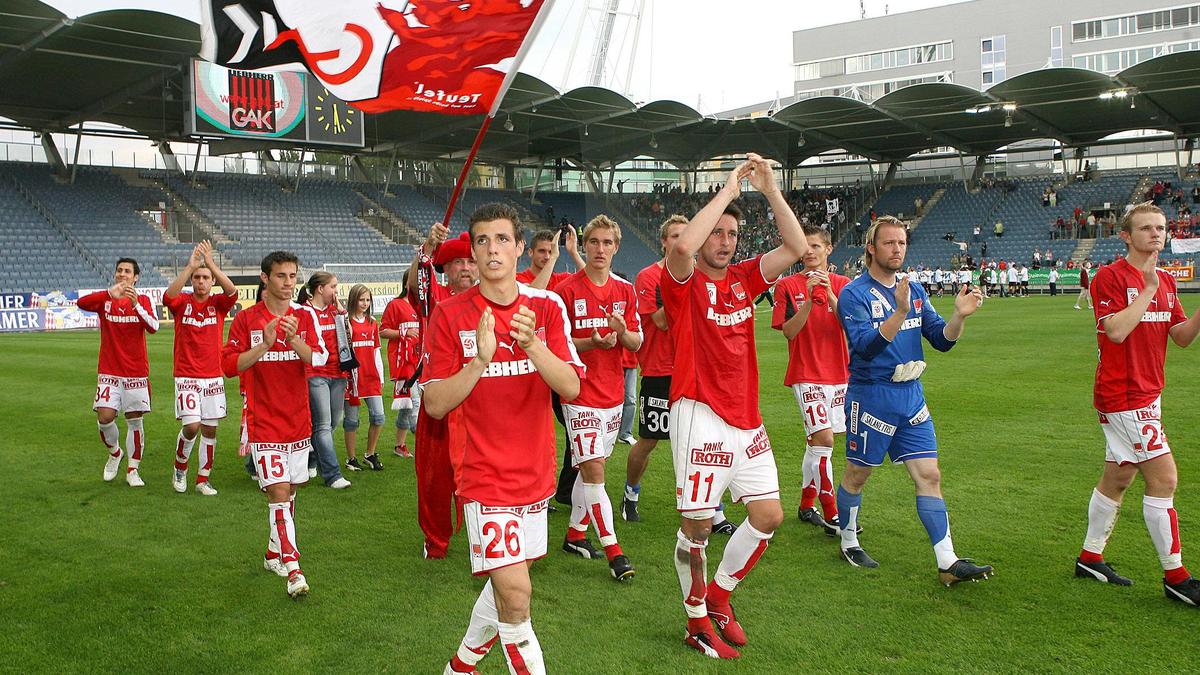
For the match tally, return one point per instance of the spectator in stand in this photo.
(1037, 259)
(975, 234)
(1049, 257)
(1196, 194)
(1053, 198)
(998, 228)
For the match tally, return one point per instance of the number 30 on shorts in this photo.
(502, 539)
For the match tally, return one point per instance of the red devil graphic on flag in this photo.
(444, 56)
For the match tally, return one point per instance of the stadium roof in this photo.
(127, 67)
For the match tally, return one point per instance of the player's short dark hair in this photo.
(497, 211)
(810, 230)
(136, 268)
(278, 258)
(542, 235)
(735, 211)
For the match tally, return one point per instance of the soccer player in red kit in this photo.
(817, 370)
(123, 373)
(199, 386)
(655, 358)
(269, 346)
(401, 328)
(435, 478)
(718, 441)
(1137, 309)
(603, 311)
(543, 254)
(493, 354)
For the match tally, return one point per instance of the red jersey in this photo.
(657, 354)
(527, 276)
(1083, 281)
(587, 304)
(364, 338)
(628, 358)
(199, 330)
(502, 442)
(404, 352)
(326, 324)
(275, 389)
(123, 329)
(1130, 375)
(818, 354)
(712, 328)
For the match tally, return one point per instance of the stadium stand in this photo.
(55, 234)
(34, 254)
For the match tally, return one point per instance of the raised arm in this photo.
(181, 279)
(795, 245)
(437, 234)
(219, 275)
(681, 257)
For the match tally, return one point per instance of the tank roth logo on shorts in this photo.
(813, 396)
(760, 444)
(585, 420)
(712, 454)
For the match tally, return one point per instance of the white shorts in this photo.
(591, 432)
(1134, 436)
(500, 536)
(281, 462)
(822, 406)
(123, 394)
(199, 399)
(710, 457)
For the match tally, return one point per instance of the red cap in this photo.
(459, 247)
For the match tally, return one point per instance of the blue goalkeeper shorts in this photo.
(888, 420)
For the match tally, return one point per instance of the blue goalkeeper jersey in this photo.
(863, 306)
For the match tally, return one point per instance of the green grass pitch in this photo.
(97, 576)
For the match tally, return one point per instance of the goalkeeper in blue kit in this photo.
(885, 318)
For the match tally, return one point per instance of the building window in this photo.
(1120, 59)
(1132, 24)
(1056, 51)
(992, 59)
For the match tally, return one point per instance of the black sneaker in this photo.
(629, 510)
(858, 558)
(1100, 571)
(582, 548)
(836, 522)
(964, 569)
(621, 568)
(812, 517)
(726, 527)
(353, 465)
(373, 461)
(1186, 591)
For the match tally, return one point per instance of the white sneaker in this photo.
(179, 481)
(275, 565)
(312, 473)
(297, 586)
(134, 479)
(627, 439)
(340, 484)
(206, 489)
(112, 466)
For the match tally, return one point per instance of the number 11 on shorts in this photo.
(695, 480)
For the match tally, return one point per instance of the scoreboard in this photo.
(286, 106)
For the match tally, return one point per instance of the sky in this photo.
(713, 55)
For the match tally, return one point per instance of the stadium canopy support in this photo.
(168, 156)
(52, 153)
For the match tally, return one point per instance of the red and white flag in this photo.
(447, 56)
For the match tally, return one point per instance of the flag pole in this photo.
(540, 19)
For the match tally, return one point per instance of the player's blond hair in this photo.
(602, 222)
(356, 293)
(882, 221)
(665, 228)
(1144, 207)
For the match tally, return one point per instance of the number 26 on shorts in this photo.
(509, 533)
